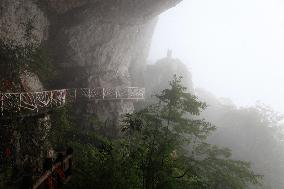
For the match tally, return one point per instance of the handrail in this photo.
(34, 102)
(56, 171)
(48, 173)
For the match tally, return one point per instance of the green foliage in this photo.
(162, 146)
(173, 150)
(95, 162)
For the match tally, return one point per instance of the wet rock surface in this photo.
(92, 43)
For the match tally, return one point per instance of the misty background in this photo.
(234, 49)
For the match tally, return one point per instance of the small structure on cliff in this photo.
(158, 75)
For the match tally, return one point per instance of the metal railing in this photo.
(34, 102)
(134, 93)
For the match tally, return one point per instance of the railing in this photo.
(31, 101)
(34, 102)
(108, 93)
(55, 173)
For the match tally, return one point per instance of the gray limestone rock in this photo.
(93, 43)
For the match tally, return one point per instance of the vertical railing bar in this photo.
(20, 102)
(103, 93)
(2, 104)
(51, 99)
(64, 97)
(59, 98)
(36, 101)
(89, 93)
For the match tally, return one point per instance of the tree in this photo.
(162, 146)
(168, 142)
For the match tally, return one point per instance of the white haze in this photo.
(234, 48)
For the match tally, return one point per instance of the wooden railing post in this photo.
(62, 167)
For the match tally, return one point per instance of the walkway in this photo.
(35, 102)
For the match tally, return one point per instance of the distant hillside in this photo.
(253, 133)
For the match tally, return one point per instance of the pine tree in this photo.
(169, 143)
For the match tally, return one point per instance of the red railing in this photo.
(55, 174)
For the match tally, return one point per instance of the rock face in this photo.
(16, 15)
(157, 76)
(30, 81)
(97, 41)
(93, 43)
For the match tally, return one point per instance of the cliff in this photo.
(92, 43)
(157, 76)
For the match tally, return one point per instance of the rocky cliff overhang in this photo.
(102, 38)
(92, 43)
(121, 11)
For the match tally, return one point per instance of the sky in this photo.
(233, 48)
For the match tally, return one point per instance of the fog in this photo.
(233, 48)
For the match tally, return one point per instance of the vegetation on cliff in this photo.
(162, 146)
(253, 134)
